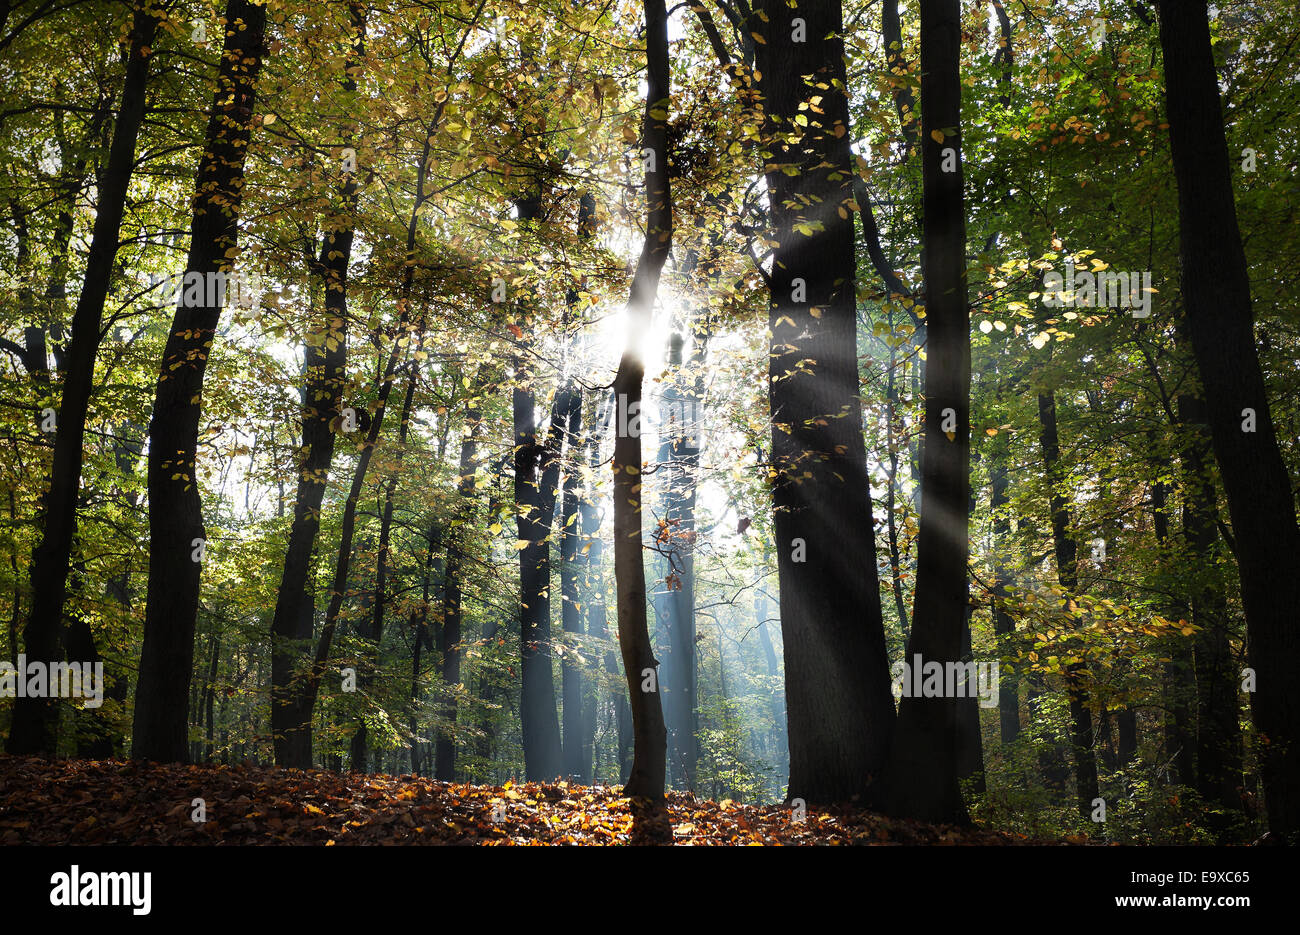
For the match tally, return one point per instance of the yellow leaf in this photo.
(936, 135)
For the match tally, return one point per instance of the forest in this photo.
(717, 421)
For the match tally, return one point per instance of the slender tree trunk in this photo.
(1066, 549)
(210, 693)
(1218, 727)
(1004, 625)
(679, 457)
(894, 424)
(578, 720)
(176, 530)
(577, 765)
(536, 465)
(1216, 288)
(31, 730)
(1178, 671)
(970, 739)
(594, 600)
(924, 767)
(840, 711)
(379, 603)
(453, 611)
(94, 739)
(649, 751)
(324, 374)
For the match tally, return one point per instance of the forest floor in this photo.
(52, 802)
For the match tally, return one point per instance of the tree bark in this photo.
(577, 766)
(1067, 550)
(839, 708)
(1218, 727)
(923, 770)
(324, 374)
(1004, 625)
(175, 507)
(650, 737)
(379, 601)
(1220, 320)
(678, 464)
(535, 481)
(453, 611)
(31, 730)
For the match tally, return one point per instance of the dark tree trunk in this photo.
(640, 667)
(674, 599)
(453, 610)
(1178, 670)
(577, 765)
(210, 694)
(840, 711)
(923, 770)
(970, 740)
(379, 601)
(594, 601)
(1067, 553)
(31, 730)
(175, 508)
(304, 692)
(1004, 625)
(1216, 288)
(891, 31)
(1218, 727)
(536, 467)
(324, 374)
(94, 739)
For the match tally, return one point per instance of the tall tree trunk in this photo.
(176, 530)
(453, 611)
(579, 725)
(1216, 288)
(923, 770)
(304, 693)
(1067, 549)
(1004, 625)
(650, 736)
(970, 739)
(594, 598)
(1218, 727)
(31, 730)
(679, 456)
(840, 711)
(536, 467)
(572, 689)
(1178, 672)
(324, 375)
(379, 603)
(94, 736)
(894, 425)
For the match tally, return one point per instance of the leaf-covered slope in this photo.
(47, 802)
